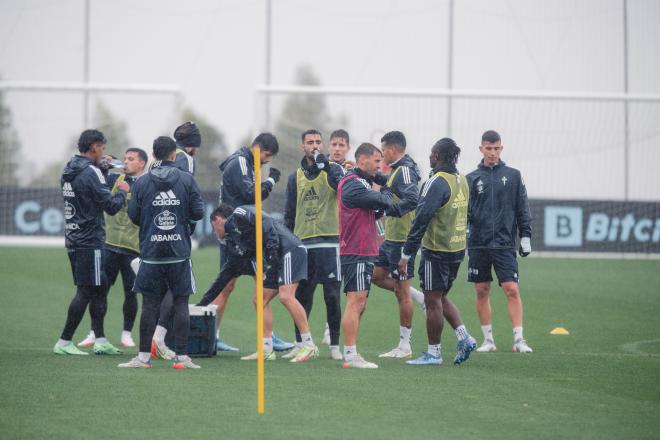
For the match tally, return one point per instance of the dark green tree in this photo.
(299, 113)
(50, 176)
(114, 129)
(210, 154)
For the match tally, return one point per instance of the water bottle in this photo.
(321, 165)
(106, 164)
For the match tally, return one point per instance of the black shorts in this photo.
(270, 275)
(438, 270)
(480, 262)
(357, 271)
(156, 279)
(87, 267)
(293, 267)
(323, 264)
(115, 262)
(389, 255)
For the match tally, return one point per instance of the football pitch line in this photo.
(634, 347)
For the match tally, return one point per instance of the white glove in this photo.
(525, 247)
(135, 264)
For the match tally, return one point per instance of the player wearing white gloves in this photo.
(498, 215)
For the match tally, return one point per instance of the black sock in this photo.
(130, 309)
(130, 298)
(181, 325)
(332, 298)
(166, 311)
(98, 306)
(76, 311)
(148, 320)
(305, 296)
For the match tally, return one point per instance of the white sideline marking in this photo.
(634, 348)
(31, 241)
(46, 241)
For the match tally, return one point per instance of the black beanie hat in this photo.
(187, 135)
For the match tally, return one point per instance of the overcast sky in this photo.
(215, 51)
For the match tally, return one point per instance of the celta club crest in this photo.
(69, 211)
(165, 221)
(480, 186)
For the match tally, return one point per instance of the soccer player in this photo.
(235, 266)
(498, 215)
(286, 260)
(163, 203)
(402, 181)
(358, 248)
(311, 213)
(338, 148)
(188, 140)
(237, 189)
(440, 225)
(122, 245)
(86, 197)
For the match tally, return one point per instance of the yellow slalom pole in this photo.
(259, 281)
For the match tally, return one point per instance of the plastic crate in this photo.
(201, 336)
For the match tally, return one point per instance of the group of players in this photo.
(332, 223)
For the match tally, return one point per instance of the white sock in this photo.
(404, 336)
(268, 345)
(327, 328)
(350, 351)
(487, 330)
(461, 332)
(181, 358)
(217, 334)
(307, 339)
(144, 357)
(334, 347)
(91, 334)
(417, 296)
(125, 334)
(517, 334)
(434, 350)
(101, 340)
(159, 334)
(63, 343)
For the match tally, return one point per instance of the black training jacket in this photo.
(237, 187)
(241, 246)
(498, 212)
(182, 161)
(240, 230)
(357, 193)
(86, 195)
(163, 203)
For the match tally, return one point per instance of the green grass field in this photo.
(602, 381)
